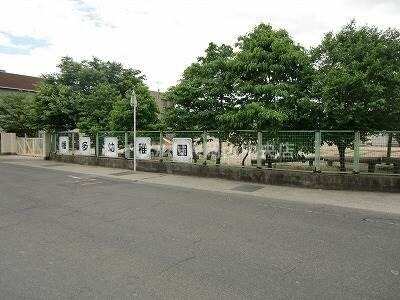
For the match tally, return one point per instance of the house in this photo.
(13, 83)
(10, 83)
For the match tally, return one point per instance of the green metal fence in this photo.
(337, 151)
(379, 152)
(289, 150)
(315, 151)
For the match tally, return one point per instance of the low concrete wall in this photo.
(338, 181)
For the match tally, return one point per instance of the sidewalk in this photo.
(378, 202)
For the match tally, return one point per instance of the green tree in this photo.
(96, 108)
(121, 116)
(274, 77)
(16, 113)
(204, 92)
(56, 106)
(84, 95)
(273, 87)
(266, 84)
(358, 82)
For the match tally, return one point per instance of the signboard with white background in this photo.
(63, 146)
(143, 148)
(182, 150)
(111, 146)
(84, 145)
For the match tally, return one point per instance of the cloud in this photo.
(23, 45)
(159, 37)
(389, 4)
(89, 12)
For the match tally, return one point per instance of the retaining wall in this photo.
(338, 181)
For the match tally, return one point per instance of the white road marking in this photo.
(90, 183)
(75, 177)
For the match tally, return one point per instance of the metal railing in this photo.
(316, 151)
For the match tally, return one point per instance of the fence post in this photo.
(356, 157)
(97, 144)
(33, 146)
(55, 143)
(126, 146)
(317, 159)
(44, 145)
(73, 143)
(161, 145)
(24, 152)
(259, 149)
(205, 144)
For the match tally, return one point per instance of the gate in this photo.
(30, 146)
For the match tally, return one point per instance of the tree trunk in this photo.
(218, 160)
(389, 145)
(342, 159)
(194, 155)
(244, 158)
(268, 160)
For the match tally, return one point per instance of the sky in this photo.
(162, 37)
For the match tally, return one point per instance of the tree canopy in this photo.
(358, 83)
(204, 92)
(273, 83)
(351, 81)
(264, 82)
(93, 95)
(16, 113)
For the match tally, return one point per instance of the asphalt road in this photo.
(65, 235)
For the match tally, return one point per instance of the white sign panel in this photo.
(182, 150)
(84, 145)
(63, 146)
(111, 146)
(143, 148)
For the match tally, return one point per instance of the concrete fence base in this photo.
(337, 181)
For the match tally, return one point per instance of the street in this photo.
(67, 235)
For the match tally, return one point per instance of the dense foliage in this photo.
(268, 82)
(204, 92)
(358, 82)
(265, 83)
(359, 78)
(92, 96)
(16, 113)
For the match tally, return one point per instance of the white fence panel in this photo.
(30, 146)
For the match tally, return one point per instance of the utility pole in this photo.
(134, 105)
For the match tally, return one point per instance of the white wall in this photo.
(8, 143)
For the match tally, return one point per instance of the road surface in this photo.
(81, 236)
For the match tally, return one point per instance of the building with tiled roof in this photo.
(10, 82)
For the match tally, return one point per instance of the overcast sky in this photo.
(162, 37)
